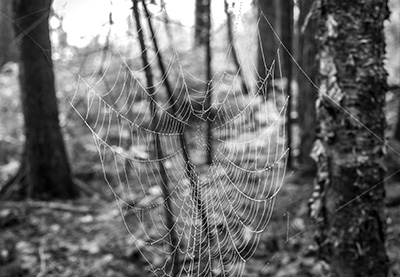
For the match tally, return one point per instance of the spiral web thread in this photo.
(207, 222)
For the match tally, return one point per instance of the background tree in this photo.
(349, 201)
(231, 42)
(202, 20)
(46, 169)
(7, 38)
(307, 92)
(209, 85)
(268, 43)
(396, 134)
(285, 9)
(276, 18)
(286, 30)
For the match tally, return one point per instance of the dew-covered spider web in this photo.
(186, 216)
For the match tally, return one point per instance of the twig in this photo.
(9, 189)
(311, 13)
(160, 60)
(31, 204)
(173, 104)
(83, 187)
(394, 87)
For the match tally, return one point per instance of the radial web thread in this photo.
(186, 218)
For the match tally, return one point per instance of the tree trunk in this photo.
(396, 134)
(307, 92)
(349, 197)
(286, 22)
(231, 41)
(8, 51)
(48, 172)
(202, 19)
(268, 44)
(208, 87)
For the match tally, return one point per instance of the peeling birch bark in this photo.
(349, 192)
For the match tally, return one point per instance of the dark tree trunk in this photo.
(48, 173)
(286, 22)
(396, 134)
(202, 20)
(349, 197)
(307, 91)
(165, 187)
(208, 88)
(286, 31)
(268, 44)
(8, 51)
(231, 41)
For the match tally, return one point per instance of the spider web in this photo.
(186, 217)
(237, 190)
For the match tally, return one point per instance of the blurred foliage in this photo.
(392, 32)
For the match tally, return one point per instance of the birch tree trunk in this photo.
(348, 201)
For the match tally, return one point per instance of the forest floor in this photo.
(86, 237)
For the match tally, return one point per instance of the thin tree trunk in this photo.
(201, 22)
(286, 23)
(204, 257)
(189, 167)
(349, 196)
(208, 99)
(203, 37)
(307, 92)
(170, 220)
(8, 51)
(396, 134)
(48, 171)
(190, 173)
(231, 41)
(268, 43)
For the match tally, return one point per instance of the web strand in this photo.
(217, 228)
(220, 210)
